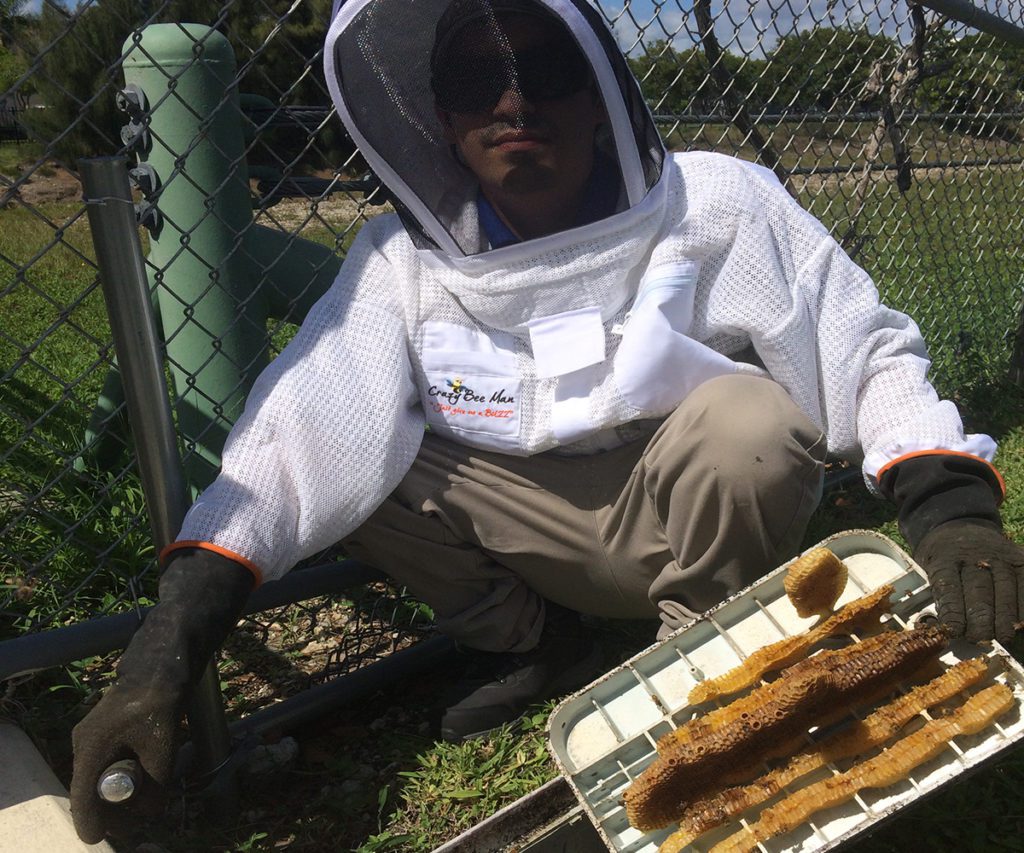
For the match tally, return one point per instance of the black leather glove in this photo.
(201, 597)
(948, 507)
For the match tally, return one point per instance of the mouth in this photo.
(519, 140)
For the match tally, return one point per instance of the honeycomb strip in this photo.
(704, 725)
(874, 730)
(801, 697)
(857, 615)
(814, 582)
(885, 769)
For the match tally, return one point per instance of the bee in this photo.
(456, 385)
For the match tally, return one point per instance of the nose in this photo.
(512, 104)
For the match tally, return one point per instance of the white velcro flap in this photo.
(570, 413)
(567, 342)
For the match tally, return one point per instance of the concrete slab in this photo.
(35, 815)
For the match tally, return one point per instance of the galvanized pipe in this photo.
(111, 211)
(969, 14)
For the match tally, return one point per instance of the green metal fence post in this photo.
(213, 316)
(218, 276)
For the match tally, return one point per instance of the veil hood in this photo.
(378, 61)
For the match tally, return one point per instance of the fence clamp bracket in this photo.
(144, 177)
(132, 100)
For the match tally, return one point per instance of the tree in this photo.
(823, 69)
(977, 80)
(276, 43)
(11, 20)
(677, 82)
(282, 45)
(12, 66)
(79, 72)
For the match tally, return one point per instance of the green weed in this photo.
(457, 785)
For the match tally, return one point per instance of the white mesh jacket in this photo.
(560, 342)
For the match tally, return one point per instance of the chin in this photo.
(530, 177)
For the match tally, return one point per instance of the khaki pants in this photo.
(670, 526)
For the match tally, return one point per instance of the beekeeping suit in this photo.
(704, 267)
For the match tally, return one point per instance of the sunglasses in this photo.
(475, 83)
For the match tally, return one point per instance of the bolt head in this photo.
(116, 787)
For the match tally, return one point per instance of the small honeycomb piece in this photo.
(802, 697)
(871, 732)
(858, 615)
(887, 768)
(815, 581)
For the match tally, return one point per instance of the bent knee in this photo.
(745, 425)
(740, 410)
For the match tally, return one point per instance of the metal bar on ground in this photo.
(122, 268)
(99, 636)
(546, 820)
(314, 702)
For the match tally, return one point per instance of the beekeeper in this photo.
(630, 366)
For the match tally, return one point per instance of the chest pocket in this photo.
(657, 364)
(471, 385)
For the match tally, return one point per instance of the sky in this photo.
(750, 27)
(746, 26)
(754, 27)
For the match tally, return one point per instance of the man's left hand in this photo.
(977, 576)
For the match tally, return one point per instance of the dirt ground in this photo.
(35, 184)
(47, 182)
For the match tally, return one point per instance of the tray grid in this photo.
(606, 735)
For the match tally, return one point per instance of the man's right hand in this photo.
(202, 595)
(129, 722)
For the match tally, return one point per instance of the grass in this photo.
(53, 351)
(373, 779)
(80, 516)
(947, 251)
(806, 145)
(15, 156)
(959, 276)
(454, 787)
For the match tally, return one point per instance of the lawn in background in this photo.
(83, 520)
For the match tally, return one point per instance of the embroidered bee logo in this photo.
(456, 385)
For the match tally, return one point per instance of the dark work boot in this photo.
(498, 687)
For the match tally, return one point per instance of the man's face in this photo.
(528, 142)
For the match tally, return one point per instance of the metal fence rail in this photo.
(899, 127)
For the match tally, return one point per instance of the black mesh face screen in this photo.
(476, 65)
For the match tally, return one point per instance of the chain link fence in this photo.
(898, 127)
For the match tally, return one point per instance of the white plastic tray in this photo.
(604, 736)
